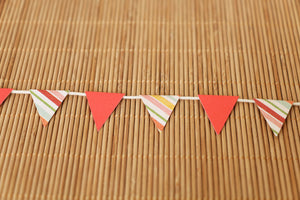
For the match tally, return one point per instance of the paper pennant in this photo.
(274, 111)
(160, 108)
(102, 105)
(4, 92)
(47, 102)
(218, 109)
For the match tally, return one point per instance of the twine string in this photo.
(139, 97)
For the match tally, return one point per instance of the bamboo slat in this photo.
(183, 47)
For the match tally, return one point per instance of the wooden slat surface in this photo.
(184, 47)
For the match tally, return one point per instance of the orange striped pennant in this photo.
(160, 108)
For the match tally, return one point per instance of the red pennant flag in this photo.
(4, 92)
(102, 105)
(218, 109)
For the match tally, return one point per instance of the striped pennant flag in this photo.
(160, 108)
(47, 102)
(274, 111)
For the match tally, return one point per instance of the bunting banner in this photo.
(160, 108)
(47, 102)
(102, 104)
(218, 109)
(275, 112)
(4, 92)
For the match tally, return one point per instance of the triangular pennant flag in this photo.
(102, 104)
(160, 108)
(4, 92)
(218, 109)
(274, 111)
(47, 102)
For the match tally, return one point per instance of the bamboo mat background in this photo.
(183, 47)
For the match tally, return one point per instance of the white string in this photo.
(20, 92)
(77, 94)
(138, 97)
(189, 98)
(131, 97)
(246, 101)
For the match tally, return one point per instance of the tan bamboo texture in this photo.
(183, 47)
